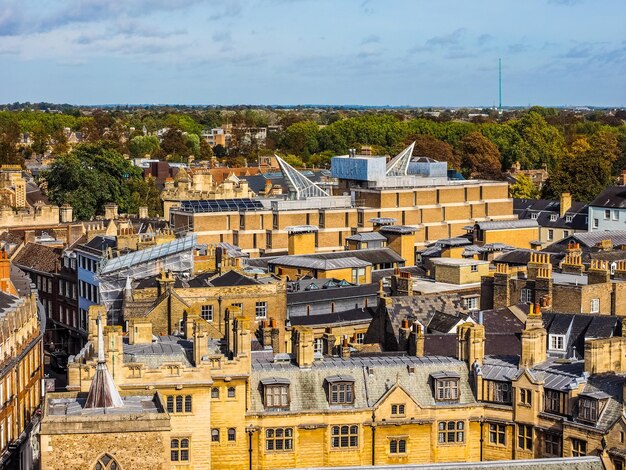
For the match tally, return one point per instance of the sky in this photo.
(353, 52)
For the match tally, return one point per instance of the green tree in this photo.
(587, 168)
(523, 188)
(144, 192)
(540, 143)
(140, 146)
(480, 158)
(9, 137)
(300, 138)
(174, 143)
(90, 176)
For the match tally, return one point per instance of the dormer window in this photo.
(588, 409)
(569, 218)
(275, 393)
(557, 342)
(340, 390)
(534, 216)
(553, 217)
(446, 386)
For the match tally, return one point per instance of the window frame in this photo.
(345, 436)
(526, 295)
(178, 451)
(398, 445)
(452, 432)
(398, 410)
(284, 440)
(206, 312)
(260, 306)
(525, 437)
(579, 447)
(231, 435)
(557, 343)
(594, 305)
(497, 434)
(553, 444)
(274, 391)
(215, 435)
(447, 389)
(588, 409)
(341, 393)
(231, 392)
(525, 397)
(550, 398)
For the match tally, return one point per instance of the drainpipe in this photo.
(250, 431)
(373, 438)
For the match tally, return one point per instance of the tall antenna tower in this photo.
(500, 86)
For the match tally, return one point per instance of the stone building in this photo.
(21, 366)
(574, 288)
(434, 206)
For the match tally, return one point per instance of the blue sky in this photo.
(368, 52)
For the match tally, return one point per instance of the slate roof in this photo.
(367, 237)
(355, 315)
(233, 278)
(373, 378)
(313, 262)
(443, 322)
(164, 349)
(546, 210)
(613, 197)
(38, 257)
(374, 256)
(97, 245)
(327, 294)
(507, 224)
(607, 386)
(589, 239)
(521, 257)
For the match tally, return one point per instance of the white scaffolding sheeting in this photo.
(175, 256)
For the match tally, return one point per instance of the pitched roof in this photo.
(355, 315)
(38, 257)
(613, 196)
(507, 224)
(233, 278)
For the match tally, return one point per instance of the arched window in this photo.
(215, 435)
(106, 462)
(179, 403)
(232, 434)
(215, 392)
(188, 404)
(231, 392)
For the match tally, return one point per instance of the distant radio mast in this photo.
(500, 86)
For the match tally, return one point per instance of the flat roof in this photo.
(74, 406)
(457, 261)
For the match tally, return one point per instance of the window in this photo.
(497, 434)
(397, 410)
(215, 435)
(360, 338)
(607, 214)
(232, 434)
(318, 345)
(550, 234)
(106, 462)
(595, 306)
(579, 448)
(534, 216)
(502, 392)
(279, 439)
(451, 432)
(557, 342)
(552, 444)
(525, 437)
(553, 217)
(596, 223)
(447, 390)
(397, 446)
(344, 436)
(215, 392)
(231, 392)
(179, 450)
(565, 233)
(276, 396)
(526, 296)
(552, 401)
(471, 303)
(206, 312)
(341, 393)
(525, 396)
(569, 218)
(261, 310)
(182, 403)
(588, 409)
(474, 268)
(615, 215)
